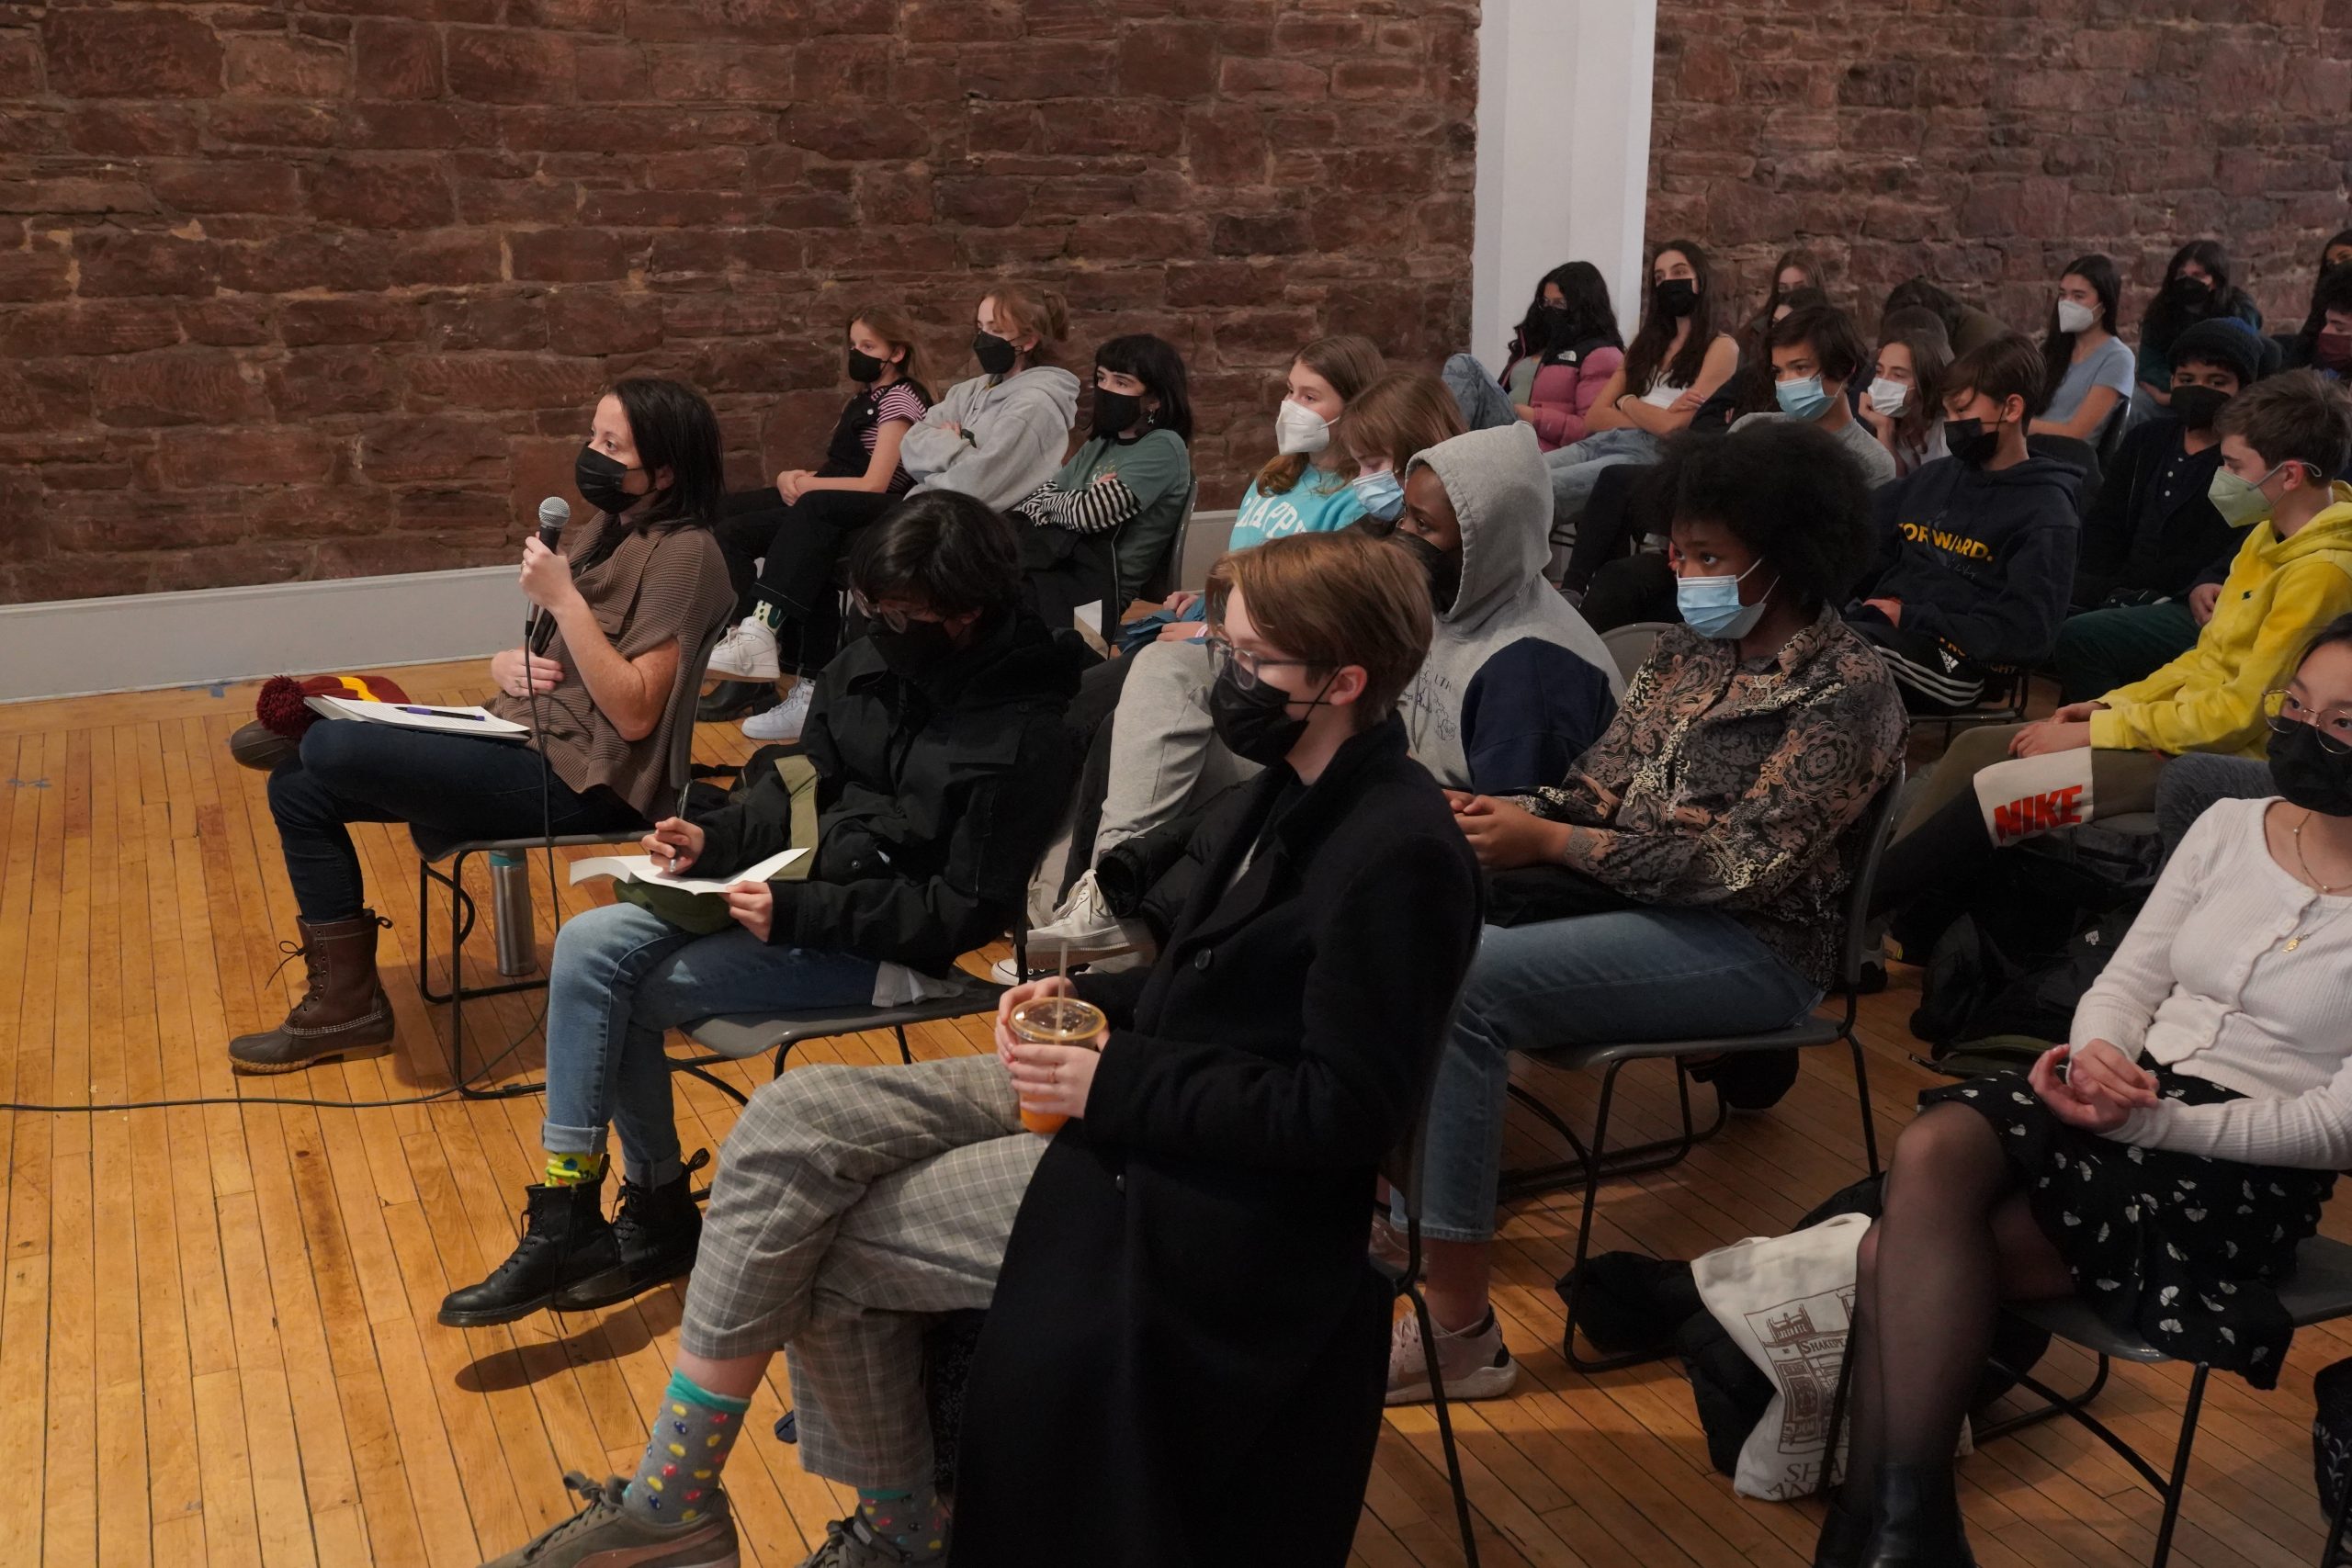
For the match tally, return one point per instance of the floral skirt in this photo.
(2180, 1249)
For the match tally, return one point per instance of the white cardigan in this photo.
(2203, 984)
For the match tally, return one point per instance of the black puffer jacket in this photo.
(934, 802)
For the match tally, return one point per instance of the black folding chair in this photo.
(733, 1037)
(2319, 1291)
(1592, 1165)
(432, 850)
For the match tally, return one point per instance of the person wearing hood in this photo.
(941, 769)
(2281, 440)
(1516, 686)
(1977, 551)
(1686, 877)
(2154, 548)
(996, 438)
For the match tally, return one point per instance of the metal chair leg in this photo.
(1444, 1421)
(1657, 1155)
(2178, 1484)
(1862, 1094)
(1594, 1171)
(906, 1052)
(461, 925)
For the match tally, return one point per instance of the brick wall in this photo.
(325, 290)
(1988, 141)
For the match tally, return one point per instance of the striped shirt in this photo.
(898, 400)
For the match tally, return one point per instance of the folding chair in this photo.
(2319, 1291)
(432, 850)
(1630, 645)
(2008, 689)
(733, 1037)
(1593, 1164)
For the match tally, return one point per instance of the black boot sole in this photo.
(613, 1287)
(736, 699)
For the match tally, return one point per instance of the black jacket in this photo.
(1185, 1358)
(2136, 539)
(932, 805)
(1982, 559)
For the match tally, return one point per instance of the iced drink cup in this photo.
(1054, 1021)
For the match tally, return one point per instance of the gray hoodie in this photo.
(1018, 429)
(1516, 685)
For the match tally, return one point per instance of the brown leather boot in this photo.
(345, 1006)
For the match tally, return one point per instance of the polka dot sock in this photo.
(574, 1171)
(913, 1521)
(693, 1433)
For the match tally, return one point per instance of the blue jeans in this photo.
(1576, 467)
(621, 976)
(1483, 403)
(1630, 975)
(351, 770)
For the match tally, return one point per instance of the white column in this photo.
(1564, 151)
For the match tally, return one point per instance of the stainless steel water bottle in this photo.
(510, 913)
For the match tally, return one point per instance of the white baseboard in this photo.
(145, 642)
(142, 642)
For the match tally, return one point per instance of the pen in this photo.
(446, 712)
(684, 790)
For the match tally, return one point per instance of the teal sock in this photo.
(694, 1431)
(913, 1519)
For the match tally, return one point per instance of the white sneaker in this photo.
(1083, 925)
(1477, 1363)
(747, 652)
(787, 718)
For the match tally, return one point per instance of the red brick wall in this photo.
(1989, 142)
(327, 290)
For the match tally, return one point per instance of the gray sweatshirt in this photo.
(1019, 428)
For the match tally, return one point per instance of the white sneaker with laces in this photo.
(1476, 1362)
(787, 718)
(748, 652)
(1083, 925)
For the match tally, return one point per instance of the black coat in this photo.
(1185, 1358)
(932, 803)
(2136, 539)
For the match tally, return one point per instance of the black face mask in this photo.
(996, 354)
(1115, 412)
(2197, 407)
(1254, 722)
(1972, 440)
(2308, 773)
(1676, 297)
(1444, 571)
(2188, 290)
(916, 654)
(863, 369)
(598, 478)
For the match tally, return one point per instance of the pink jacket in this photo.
(1563, 394)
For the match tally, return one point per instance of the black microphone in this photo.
(554, 513)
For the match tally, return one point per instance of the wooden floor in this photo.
(217, 1336)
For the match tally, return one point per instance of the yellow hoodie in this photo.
(2278, 593)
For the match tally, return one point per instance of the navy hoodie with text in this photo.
(1981, 559)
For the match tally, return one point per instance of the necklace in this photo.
(2295, 835)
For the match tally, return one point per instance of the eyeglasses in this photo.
(896, 620)
(1245, 664)
(2334, 725)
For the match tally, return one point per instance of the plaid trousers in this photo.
(851, 1204)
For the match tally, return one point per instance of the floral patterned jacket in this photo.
(1740, 786)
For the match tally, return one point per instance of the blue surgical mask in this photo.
(1802, 400)
(1710, 605)
(1381, 495)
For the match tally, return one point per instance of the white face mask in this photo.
(1888, 397)
(2074, 316)
(1299, 431)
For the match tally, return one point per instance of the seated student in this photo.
(1516, 686)
(853, 1201)
(1812, 355)
(1562, 354)
(1905, 405)
(2162, 1168)
(1105, 521)
(940, 756)
(1967, 327)
(2280, 438)
(1677, 361)
(1712, 832)
(1796, 273)
(995, 439)
(2198, 286)
(1977, 550)
(2089, 368)
(886, 362)
(1186, 1310)
(2154, 530)
(635, 591)
(2324, 344)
